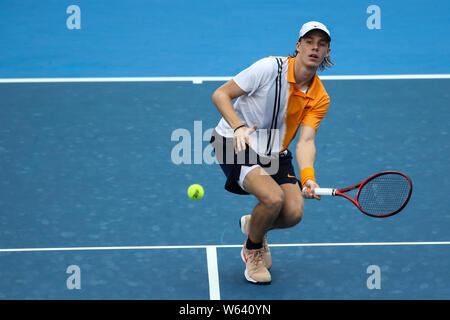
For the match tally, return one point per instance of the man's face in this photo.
(313, 48)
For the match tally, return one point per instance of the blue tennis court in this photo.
(94, 164)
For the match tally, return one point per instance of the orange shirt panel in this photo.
(306, 109)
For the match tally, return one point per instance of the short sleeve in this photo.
(315, 115)
(257, 75)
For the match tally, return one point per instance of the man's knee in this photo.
(273, 200)
(292, 215)
(297, 215)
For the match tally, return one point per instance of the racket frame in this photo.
(341, 193)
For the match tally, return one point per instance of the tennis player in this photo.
(275, 97)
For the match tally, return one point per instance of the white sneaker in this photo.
(244, 223)
(255, 269)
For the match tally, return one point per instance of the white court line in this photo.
(213, 273)
(325, 244)
(199, 79)
(211, 253)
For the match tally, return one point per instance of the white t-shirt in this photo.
(264, 105)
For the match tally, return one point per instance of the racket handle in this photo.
(324, 191)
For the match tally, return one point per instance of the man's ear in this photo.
(328, 53)
(297, 46)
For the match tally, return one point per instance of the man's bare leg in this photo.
(270, 197)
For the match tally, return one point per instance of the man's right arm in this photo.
(223, 99)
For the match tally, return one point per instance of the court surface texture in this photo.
(105, 120)
(88, 179)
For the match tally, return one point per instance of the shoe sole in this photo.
(242, 224)
(250, 279)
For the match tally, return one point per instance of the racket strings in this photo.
(384, 194)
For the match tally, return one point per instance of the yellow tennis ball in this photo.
(195, 192)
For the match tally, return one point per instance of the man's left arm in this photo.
(306, 148)
(305, 153)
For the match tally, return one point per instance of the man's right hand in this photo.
(241, 137)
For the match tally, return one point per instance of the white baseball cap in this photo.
(313, 25)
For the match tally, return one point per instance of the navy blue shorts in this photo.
(280, 169)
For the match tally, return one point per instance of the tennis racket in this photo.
(382, 195)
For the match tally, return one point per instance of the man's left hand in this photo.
(308, 190)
